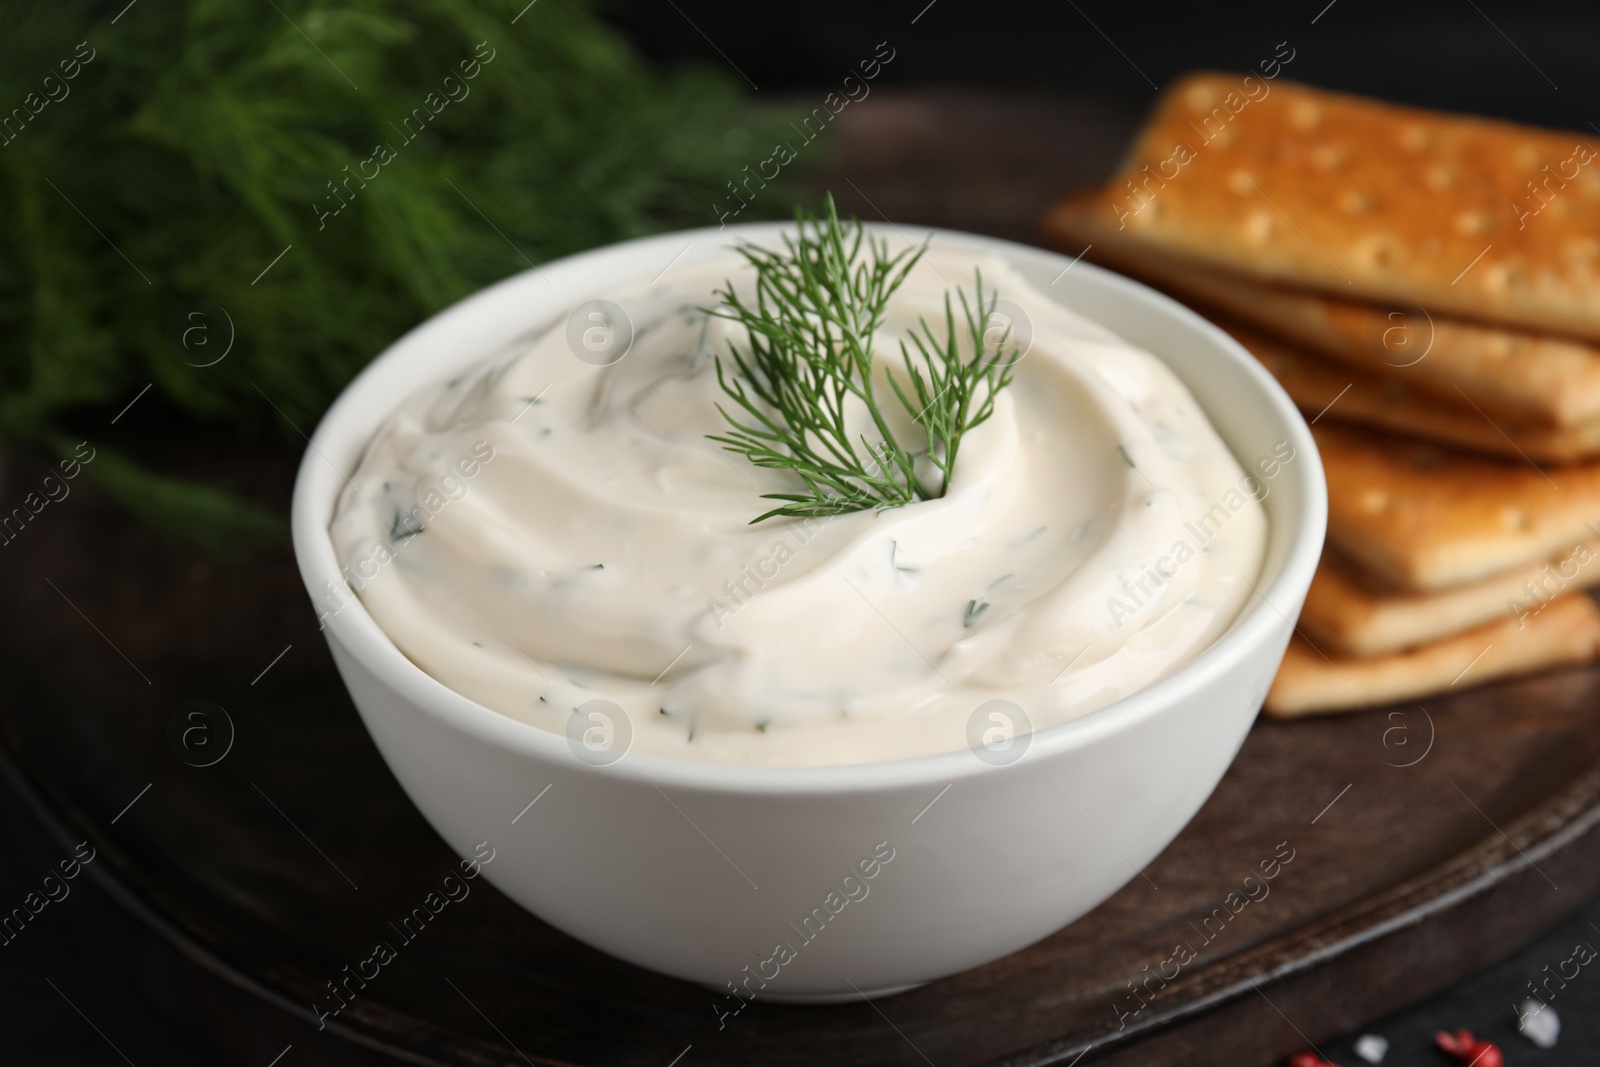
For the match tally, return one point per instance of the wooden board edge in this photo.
(1373, 958)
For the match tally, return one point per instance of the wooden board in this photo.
(235, 891)
(1427, 840)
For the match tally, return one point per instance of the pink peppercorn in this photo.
(1468, 1049)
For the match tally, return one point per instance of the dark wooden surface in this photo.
(244, 886)
(234, 892)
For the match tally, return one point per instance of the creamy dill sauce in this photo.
(537, 554)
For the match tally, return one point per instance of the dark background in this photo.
(1532, 63)
(1482, 56)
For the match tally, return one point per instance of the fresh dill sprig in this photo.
(948, 401)
(817, 306)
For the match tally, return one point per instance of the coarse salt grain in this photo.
(1538, 1023)
(1372, 1048)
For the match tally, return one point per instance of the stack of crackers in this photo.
(1426, 287)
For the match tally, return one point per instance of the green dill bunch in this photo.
(321, 177)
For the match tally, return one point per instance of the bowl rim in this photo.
(317, 485)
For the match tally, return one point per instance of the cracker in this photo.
(1527, 377)
(1336, 391)
(1345, 613)
(1567, 631)
(1482, 219)
(1422, 517)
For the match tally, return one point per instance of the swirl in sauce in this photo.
(602, 547)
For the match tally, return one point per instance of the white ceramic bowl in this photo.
(701, 870)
